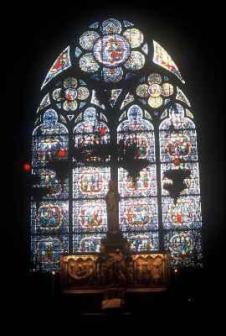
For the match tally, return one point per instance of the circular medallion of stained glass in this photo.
(181, 244)
(111, 50)
(90, 244)
(154, 90)
(87, 63)
(155, 102)
(70, 105)
(87, 39)
(50, 216)
(70, 82)
(142, 90)
(178, 145)
(181, 213)
(140, 242)
(70, 94)
(48, 250)
(83, 93)
(134, 36)
(139, 215)
(154, 78)
(167, 89)
(136, 61)
(57, 95)
(111, 26)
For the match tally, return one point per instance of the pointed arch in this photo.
(111, 87)
(180, 187)
(138, 209)
(50, 214)
(90, 184)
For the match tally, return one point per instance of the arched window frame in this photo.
(115, 106)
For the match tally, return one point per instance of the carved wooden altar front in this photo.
(115, 270)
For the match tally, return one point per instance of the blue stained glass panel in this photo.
(139, 214)
(90, 182)
(184, 214)
(50, 217)
(47, 250)
(143, 241)
(145, 185)
(182, 145)
(87, 242)
(90, 216)
(184, 247)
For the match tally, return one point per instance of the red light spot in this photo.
(177, 161)
(26, 167)
(179, 218)
(61, 153)
(102, 131)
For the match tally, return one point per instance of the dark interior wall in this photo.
(33, 39)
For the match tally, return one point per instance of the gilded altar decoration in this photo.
(150, 269)
(115, 269)
(80, 267)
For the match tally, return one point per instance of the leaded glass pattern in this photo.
(138, 208)
(113, 84)
(181, 216)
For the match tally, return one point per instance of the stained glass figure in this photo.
(49, 139)
(90, 216)
(185, 214)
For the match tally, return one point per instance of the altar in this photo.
(134, 272)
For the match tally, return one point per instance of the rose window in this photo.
(111, 50)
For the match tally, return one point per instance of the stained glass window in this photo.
(114, 87)
(138, 209)
(180, 186)
(90, 184)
